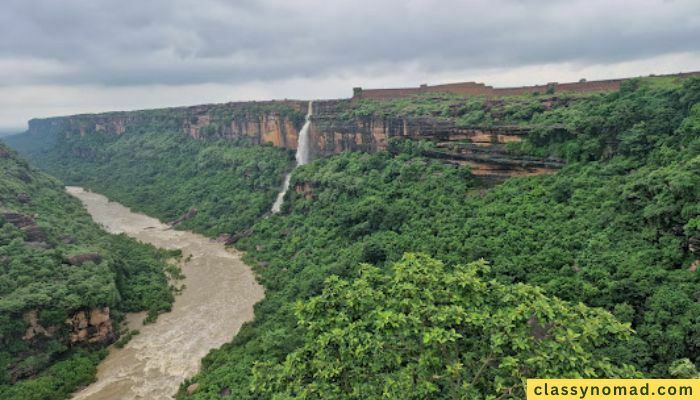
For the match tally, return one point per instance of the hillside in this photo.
(64, 285)
(216, 187)
(606, 238)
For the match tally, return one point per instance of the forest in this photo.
(229, 184)
(613, 230)
(392, 268)
(55, 262)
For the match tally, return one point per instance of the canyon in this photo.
(482, 148)
(332, 131)
(219, 297)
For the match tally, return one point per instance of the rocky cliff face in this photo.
(84, 326)
(483, 149)
(91, 326)
(331, 132)
(276, 122)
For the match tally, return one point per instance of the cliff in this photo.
(482, 148)
(477, 136)
(276, 122)
(331, 131)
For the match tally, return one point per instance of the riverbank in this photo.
(220, 291)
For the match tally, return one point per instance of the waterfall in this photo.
(302, 157)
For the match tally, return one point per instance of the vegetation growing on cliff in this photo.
(54, 261)
(617, 229)
(230, 185)
(465, 111)
(614, 230)
(483, 111)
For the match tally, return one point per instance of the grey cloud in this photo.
(175, 42)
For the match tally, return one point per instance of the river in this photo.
(219, 297)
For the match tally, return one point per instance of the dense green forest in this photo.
(230, 185)
(613, 229)
(54, 262)
(372, 272)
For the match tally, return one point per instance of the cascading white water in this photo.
(302, 157)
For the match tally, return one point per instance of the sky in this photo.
(75, 56)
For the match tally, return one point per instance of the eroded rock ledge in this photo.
(83, 326)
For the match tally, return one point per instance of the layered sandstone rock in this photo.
(482, 148)
(84, 326)
(259, 129)
(276, 122)
(331, 132)
(305, 189)
(91, 326)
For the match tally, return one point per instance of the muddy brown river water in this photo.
(219, 297)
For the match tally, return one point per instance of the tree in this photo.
(427, 331)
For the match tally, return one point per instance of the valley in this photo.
(424, 226)
(218, 298)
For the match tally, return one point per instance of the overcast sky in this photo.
(73, 56)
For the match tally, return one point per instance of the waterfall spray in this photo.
(302, 157)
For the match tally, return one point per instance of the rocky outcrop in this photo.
(305, 189)
(27, 224)
(191, 389)
(482, 148)
(91, 326)
(229, 239)
(19, 220)
(24, 198)
(272, 128)
(694, 266)
(84, 326)
(694, 245)
(331, 132)
(80, 259)
(34, 328)
(4, 153)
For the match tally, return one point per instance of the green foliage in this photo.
(465, 111)
(126, 338)
(164, 175)
(35, 275)
(683, 369)
(611, 230)
(632, 122)
(421, 330)
(59, 381)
